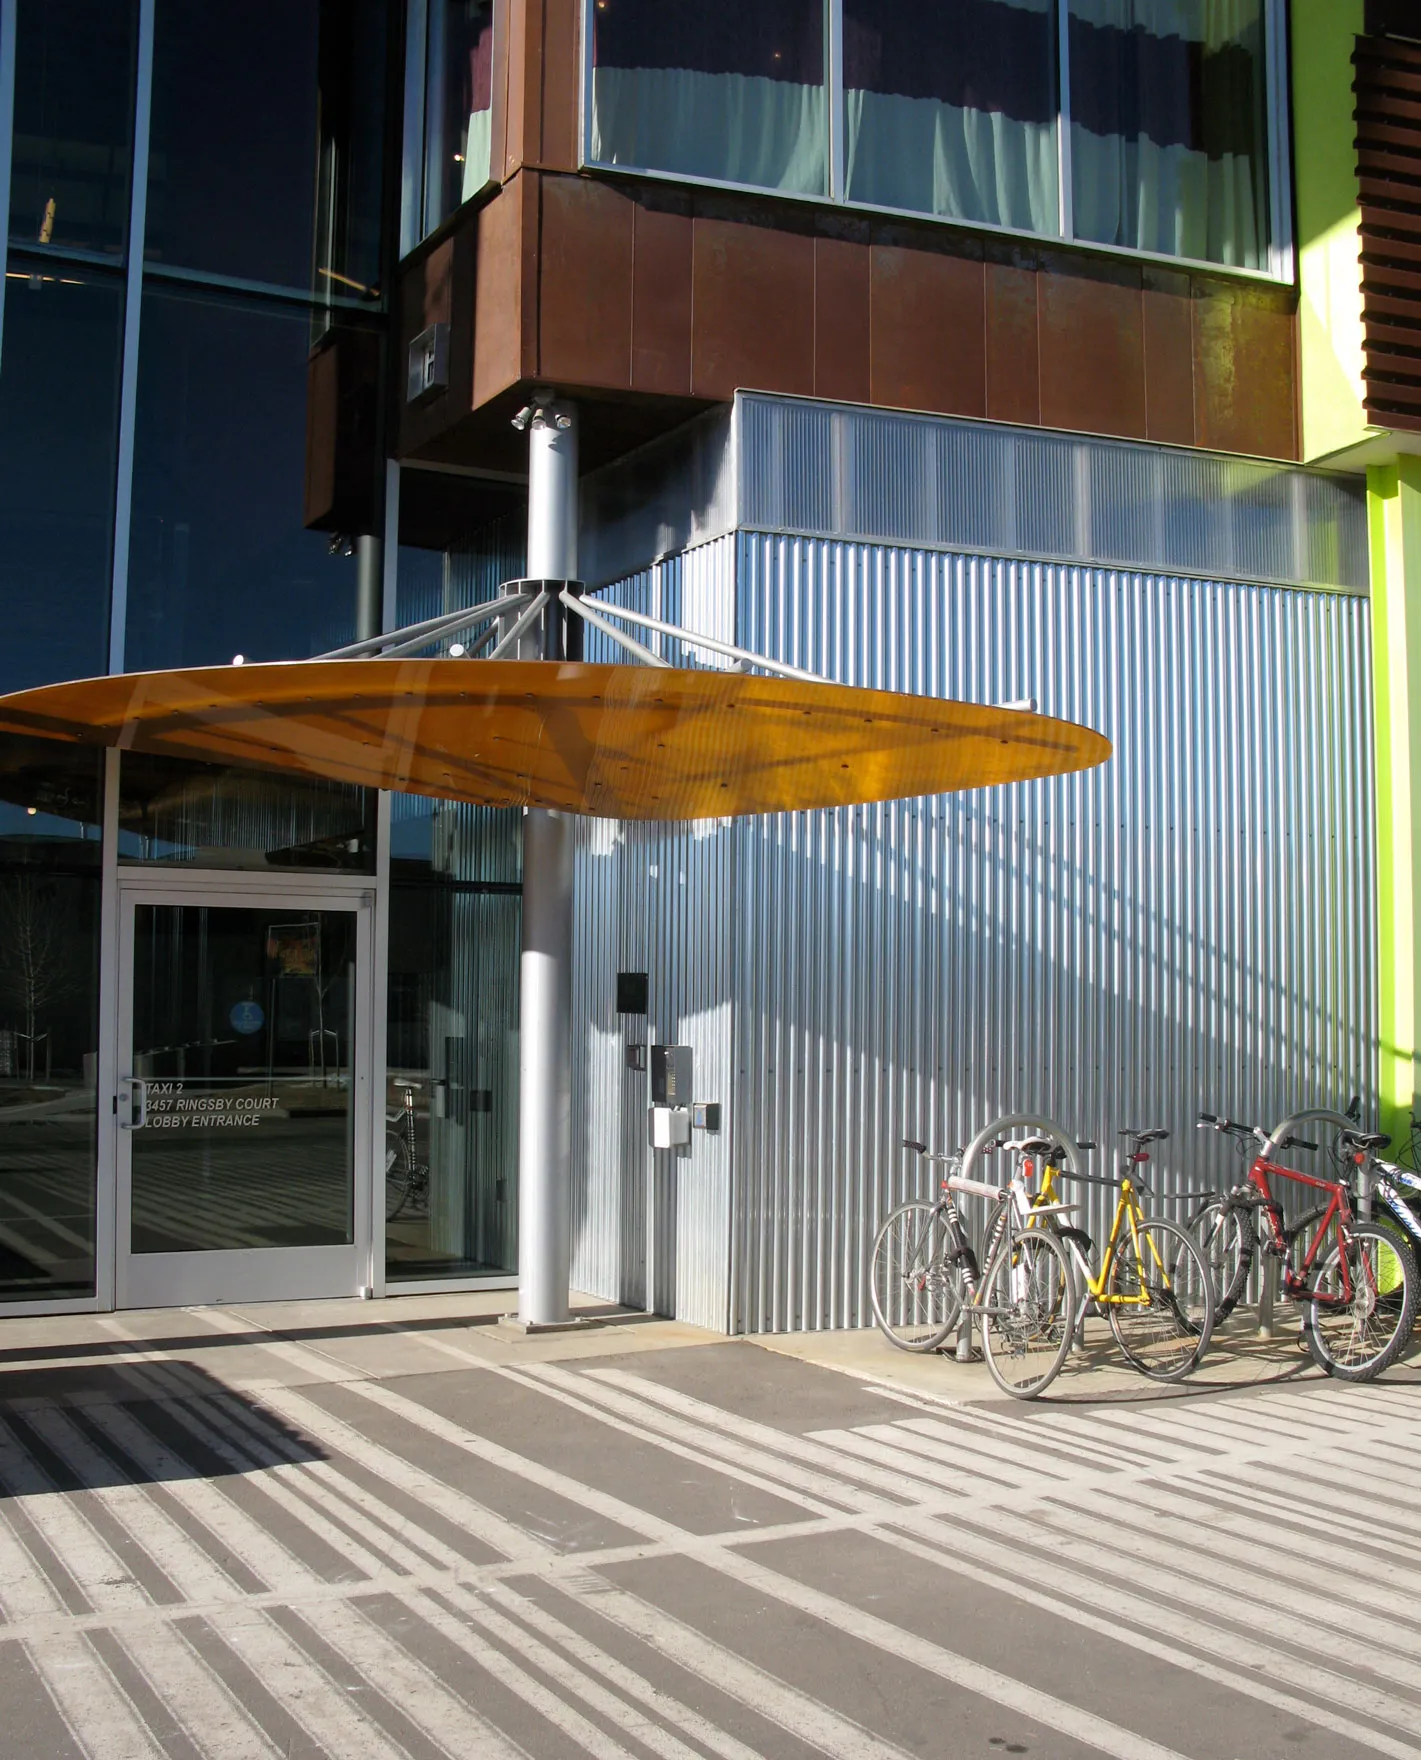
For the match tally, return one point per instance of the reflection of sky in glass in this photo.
(221, 562)
(49, 792)
(58, 452)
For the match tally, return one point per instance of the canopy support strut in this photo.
(545, 1006)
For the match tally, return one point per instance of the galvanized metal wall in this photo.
(1190, 925)
(655, 899)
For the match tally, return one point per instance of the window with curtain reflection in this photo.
(951, 109)
(733, 92)
(1169, 131)
(959, 109)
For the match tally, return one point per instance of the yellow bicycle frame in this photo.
(1127, 1212)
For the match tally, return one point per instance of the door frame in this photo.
(138, 1280)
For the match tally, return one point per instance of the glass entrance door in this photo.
(241, 1098)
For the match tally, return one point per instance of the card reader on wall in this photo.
(671, 1076)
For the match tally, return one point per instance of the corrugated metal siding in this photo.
(653, 898)
(1191, 924)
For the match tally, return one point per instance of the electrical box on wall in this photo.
(633, 993)
(671, 1075)
(428, 364)
(668, 1127)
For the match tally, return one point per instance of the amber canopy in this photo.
(626, 742)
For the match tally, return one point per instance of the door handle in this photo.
(135, 1092)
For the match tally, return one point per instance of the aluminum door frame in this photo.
(194, 1279)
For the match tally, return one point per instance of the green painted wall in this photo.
(1325, 187)
(1394, 504)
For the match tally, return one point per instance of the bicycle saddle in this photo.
(1154, 1136)
(1032, 1145)
(1366, 1139)
(402, 1084)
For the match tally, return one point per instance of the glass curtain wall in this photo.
(956, 111)
(449, 110)
(735, 92)
(451, 1143)
(62, 343)
(451, 1134)
(50, 842)
(261, 225)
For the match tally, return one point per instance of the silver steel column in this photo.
(545, 1006)
(369, 587)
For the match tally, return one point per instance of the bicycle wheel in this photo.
(913, 1283)
(399, 1174)
(1226, 1237)
(1028, 1312)
(1355, 1340)
(1162, 1306)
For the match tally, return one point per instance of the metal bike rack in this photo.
(1037, 1121)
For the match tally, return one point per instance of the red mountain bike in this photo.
(1358, 1282)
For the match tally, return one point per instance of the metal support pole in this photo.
(545, 1003)
(369, 587)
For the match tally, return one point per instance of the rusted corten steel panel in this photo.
(1012, 343)
(1388, 89)
(1169, 357)
(661, 301)
(543, 38)
(648, 300)
(1092, 347)
(585, 284)
(926, 328)
(753, 292)
(842, 303)
(1245, 370)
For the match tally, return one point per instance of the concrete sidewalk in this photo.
(394, 1530)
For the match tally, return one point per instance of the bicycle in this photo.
(1380, 1193)
(925, 1277)
(1153, 1283)
(1359, 1296)
(1225, 1235)
(406, 1176)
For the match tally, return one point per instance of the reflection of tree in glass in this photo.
(35, 967)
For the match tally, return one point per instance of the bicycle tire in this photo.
(1028, 1312)
(399, 1174)
(1228, 1240)
(1387, 1288)
(913, 1285)
(1165, 1335)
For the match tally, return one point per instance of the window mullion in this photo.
(7, 122)
(1280, 205)
(132, 313)
(412, 166)
(838, 120)
(1063, 118)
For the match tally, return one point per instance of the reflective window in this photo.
(74, 87)
(451, 1137)
(352, 69)
(220, 562)
(50, 816)
(178, 812)
(458, 105)
(242, 1022)
(1169, 136)
(952, 109)
(959, 108)
(733, 92)
(59, 386)
(232, 176)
